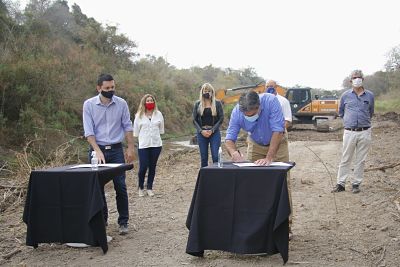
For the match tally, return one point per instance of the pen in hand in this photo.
(237, 156)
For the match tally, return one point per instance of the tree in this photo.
(36, 8)
(346, 83)
(393, 62)
(378, 82)
(50, 60)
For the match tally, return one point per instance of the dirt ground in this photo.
(341, 229)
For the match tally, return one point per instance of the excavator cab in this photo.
(307, 110)
(298, 98)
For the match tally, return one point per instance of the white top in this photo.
(148, 130)
(285, 104)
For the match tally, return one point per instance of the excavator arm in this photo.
(226, 97)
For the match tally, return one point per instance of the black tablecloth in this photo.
(242, 210)
(66, 205)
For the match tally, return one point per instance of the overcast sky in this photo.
(308, 42)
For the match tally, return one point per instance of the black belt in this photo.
(357, 129)
(109, 147)
(206, 127)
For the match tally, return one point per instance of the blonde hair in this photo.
(141, 109)
(202, 101)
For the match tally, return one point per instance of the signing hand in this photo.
(237, 156)
(263, 162)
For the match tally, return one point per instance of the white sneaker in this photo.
(141, 193)
(150, 193)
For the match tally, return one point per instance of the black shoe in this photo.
(355, 189)
(338, 188)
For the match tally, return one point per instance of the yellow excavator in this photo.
(304, 108)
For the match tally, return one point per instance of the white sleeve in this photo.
(136, 126)
(286, 110)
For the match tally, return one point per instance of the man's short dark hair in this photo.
(104, 77)
(249, 101)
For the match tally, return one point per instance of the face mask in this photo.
(206, 95)
(357, 82)
(150, 106)
(252, 118)
(271, 90)
(107, 94)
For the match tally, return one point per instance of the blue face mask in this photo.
(271, 90)
(252, 118)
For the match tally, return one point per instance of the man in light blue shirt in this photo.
(261, 116)
(356, 108)
(106, 121)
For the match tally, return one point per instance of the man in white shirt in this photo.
(285, 104)
(287, 114)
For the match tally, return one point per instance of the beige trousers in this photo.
(355, 148)
(256, 152)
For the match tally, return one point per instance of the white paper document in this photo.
(111, 165)
(273, 164)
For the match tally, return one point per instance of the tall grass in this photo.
(388, 105)
(17, 166)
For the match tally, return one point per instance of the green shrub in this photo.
(384, 106)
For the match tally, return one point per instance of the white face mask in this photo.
(251, 118)
(357, 82)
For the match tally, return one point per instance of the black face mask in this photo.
(206, 95)
(107, 94)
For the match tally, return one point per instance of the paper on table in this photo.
(111, 165)
(273, 164)
(280, 163)
(246, 164)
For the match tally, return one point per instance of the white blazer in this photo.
(149, 130)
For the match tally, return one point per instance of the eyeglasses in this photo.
(356, 78)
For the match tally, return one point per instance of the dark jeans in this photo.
(148, 158)
(214, 141)
(116, 155)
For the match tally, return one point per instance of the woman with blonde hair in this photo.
(148, 127)
(208, 116)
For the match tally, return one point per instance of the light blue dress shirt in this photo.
(270, 120)
(108, 123)
(355, 110)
